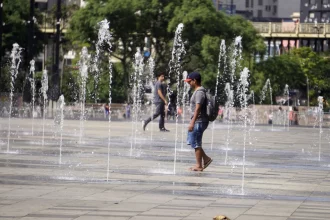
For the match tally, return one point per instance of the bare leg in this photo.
(199, 156)
(205, 157)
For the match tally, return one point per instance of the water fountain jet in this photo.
(15, 62)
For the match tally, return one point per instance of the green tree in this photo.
(132, 20)
(204, 28)
(295, 69)
(121, 14)
(15, 30)
(280, 70)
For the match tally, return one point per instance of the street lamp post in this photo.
(318, 30)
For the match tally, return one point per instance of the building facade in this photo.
(262, 9)
(315, 11)
(45, 5)
(49, 30)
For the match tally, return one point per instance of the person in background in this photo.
(106, 109)
(128, 111)
(270, 117)
(220, 113)
(291, 116)
(295, 115)
(160, 103)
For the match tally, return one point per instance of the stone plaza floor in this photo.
(137, 175)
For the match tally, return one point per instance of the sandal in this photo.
(208, 163)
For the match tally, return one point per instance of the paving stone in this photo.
(283, 178)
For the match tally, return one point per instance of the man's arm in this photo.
(159, 91)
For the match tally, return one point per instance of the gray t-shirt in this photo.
(198, 97)
(162, 87)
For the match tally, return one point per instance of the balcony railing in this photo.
(51, 28)
(269, 29)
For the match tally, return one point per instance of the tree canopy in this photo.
(295, 69)
(133, 20)
(16, 15)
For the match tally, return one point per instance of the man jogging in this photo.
(160, 103)
(199, 121)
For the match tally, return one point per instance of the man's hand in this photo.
(191, 127)
(166, 102)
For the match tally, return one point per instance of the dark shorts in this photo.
(194, 138)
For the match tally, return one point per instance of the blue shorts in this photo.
(194, 138)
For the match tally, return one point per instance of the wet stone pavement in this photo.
(132, 174)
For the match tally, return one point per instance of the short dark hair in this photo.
(160, 74)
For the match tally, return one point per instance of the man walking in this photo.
(160, 103)
(199, 121)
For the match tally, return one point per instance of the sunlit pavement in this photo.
(131, 174)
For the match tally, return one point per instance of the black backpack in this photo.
(212, 106)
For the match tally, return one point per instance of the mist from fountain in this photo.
(287, 94)
(242, 95)
(227, 113)
(222, 59)
(103, 35)
(109, 125)
(263, 97)
(231, 63)
(61, 104)
(137, 84)
(178, 52)
(150, 77)
(253, 111)
(104, 39)
(15, 62)
(185, 97)
(83, 70)
(320, 113)
(236, 58)
(44, 90)
(33, 90)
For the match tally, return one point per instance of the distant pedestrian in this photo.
(295, 116)
(160, 103)
(106, 109)
(128, 111)
(220, 113)
(291, 116)
(270, 117)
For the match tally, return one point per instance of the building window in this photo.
(252, 3)
(311, 15)
(260, 2)
(325, 2)
(274, 9)
(259, 13)
(312, 2)
(246, 3)
(324, 17)
(268, 8)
